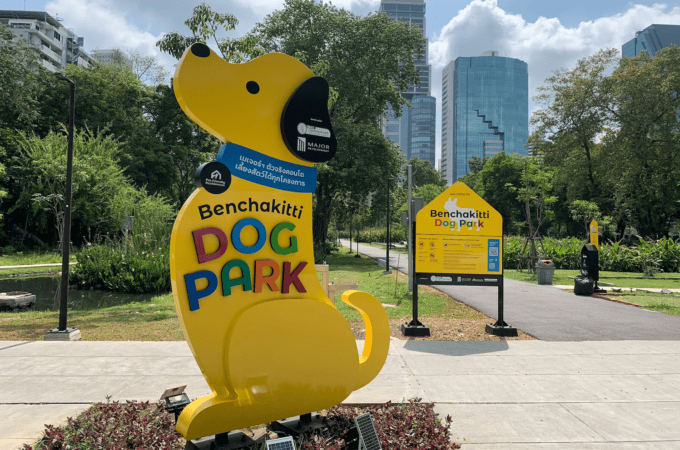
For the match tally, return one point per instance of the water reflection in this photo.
(45, 289)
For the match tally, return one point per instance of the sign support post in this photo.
(500, 328)
(415, 327)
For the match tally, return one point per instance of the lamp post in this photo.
(64, 333)
(387, 248)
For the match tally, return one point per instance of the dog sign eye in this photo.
(253, 87)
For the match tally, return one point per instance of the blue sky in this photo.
(548, 35)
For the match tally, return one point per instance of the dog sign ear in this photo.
(306, 125)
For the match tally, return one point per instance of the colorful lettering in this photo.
(200, 245)
(194, 294)
(243, 280)
(269, 280)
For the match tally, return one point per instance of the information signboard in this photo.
(459, 233)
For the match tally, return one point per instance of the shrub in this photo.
(114, 425)
(648, 258)
(140, 262)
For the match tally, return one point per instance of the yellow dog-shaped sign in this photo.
(268, 340)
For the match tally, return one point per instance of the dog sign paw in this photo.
(268, 340)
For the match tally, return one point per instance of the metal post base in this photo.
(69, 334)
(501, 329)
(416, 329)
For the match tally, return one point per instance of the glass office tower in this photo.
(485, 110)
(414, 131)
(653, 38)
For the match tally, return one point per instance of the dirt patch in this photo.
(612, 298)
(442, 329)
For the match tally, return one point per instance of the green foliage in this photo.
(376, 234)
(96, 180)
(648, 258)
(614, 139)
(205, 24)
(109, 267)
(138, 264)
(21, 82)
(423, 173)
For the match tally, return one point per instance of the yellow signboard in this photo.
(458, 232)
(267, 338)
(594, 235)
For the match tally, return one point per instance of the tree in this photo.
(21, 76)
(642, 151)
(147, 69)
(367, 62)
(423, 173)
(568, 128)
(472, 178)
(177, 144)
(497, 179)
(534, 194)
(205, 24)
(97, 180)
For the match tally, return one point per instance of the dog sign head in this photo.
(273, 102)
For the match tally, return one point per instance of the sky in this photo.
(548, 35)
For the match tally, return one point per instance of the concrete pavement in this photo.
(551, 314)
(501, 395)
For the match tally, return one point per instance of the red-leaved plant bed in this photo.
(133, 425)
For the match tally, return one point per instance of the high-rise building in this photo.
(653, 38)
(56, 44)
(111, 55)
(485, 110)
(414, 130)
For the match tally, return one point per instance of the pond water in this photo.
(46, 291)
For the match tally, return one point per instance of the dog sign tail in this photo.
(377, 341)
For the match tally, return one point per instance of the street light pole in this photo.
(387, 248)
(64, 333)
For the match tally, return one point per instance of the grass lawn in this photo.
(665, 303)
(156, 319)
(369, 277)
(29, 258)
(619, 279)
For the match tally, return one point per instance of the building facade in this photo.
(414, 131)
(485, 110)
(56, 45)
(653, 38)
(111, 55)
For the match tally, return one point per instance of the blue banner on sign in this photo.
(494, 255)
(259, 168)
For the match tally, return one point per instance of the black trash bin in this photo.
(583, 286)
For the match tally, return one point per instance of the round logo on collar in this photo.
(214, 177)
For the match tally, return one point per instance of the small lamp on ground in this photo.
(63, 333)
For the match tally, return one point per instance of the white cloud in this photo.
(546, 45)
(105, 26)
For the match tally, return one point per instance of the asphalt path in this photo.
(551, 314)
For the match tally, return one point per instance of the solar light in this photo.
(368, 436)
(175, 400)
(285, 443)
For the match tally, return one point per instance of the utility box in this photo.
(417, 203)
(589, 262)
(404, 218)
(545, 270)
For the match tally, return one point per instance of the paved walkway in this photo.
(501, 395)
(551, 314)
